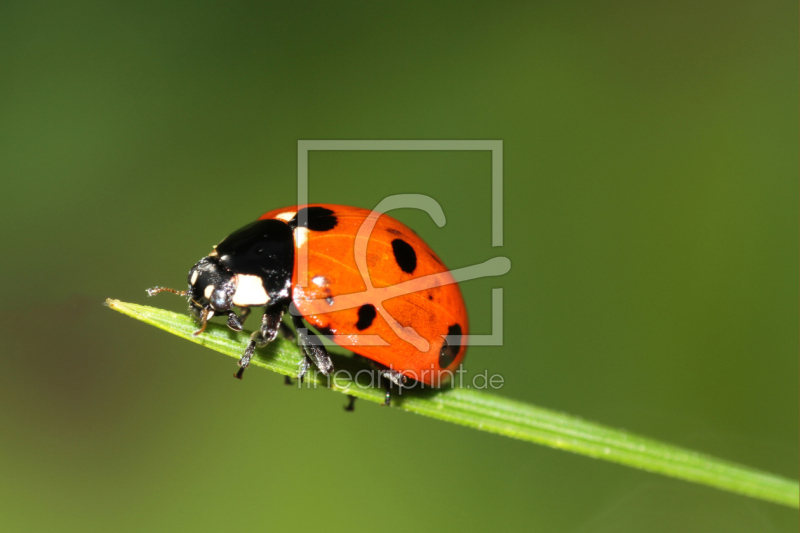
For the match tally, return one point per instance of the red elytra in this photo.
(422, 294)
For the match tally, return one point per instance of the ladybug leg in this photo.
(270, 323)
(351, 404)
(233, 322)
(236, 323)
(312, 346)
(387, 402)
(245, 360)
(391, 376)
(304, 364)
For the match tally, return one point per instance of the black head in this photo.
(211, 289)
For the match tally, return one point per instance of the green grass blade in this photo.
(488, 412)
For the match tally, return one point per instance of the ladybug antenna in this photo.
(156, 290)
(204, 318)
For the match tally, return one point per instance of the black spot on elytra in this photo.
(405, 255)
(366, 314)
(317, 219)
(430, 296)
(451, 346)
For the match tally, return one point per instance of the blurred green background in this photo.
(651, 217)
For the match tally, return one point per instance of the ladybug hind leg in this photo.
(351, 404)
(391, 377)
(388, 376)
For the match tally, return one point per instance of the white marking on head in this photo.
(194, 277)
(249, 291)
(209, 314)
(208, 291)
(300, 236)
(287, 216)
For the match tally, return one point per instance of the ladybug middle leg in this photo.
(270, 324)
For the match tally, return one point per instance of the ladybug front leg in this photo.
(270, 324)
(236, 323)
(391, 376)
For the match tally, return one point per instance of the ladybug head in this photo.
(211, 289)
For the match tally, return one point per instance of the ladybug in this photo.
(371, 285)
